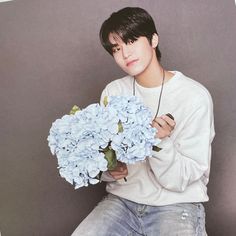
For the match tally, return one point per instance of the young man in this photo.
(163, 195)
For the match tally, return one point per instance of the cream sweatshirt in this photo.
(180, 171)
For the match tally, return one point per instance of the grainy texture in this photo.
(51, 59)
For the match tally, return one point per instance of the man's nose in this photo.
(126, 51)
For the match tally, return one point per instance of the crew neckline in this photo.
(177, 75)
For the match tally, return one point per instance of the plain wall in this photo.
(51, 59)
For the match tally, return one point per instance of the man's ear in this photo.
(155, 40)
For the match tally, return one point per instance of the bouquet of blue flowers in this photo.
(89, 141)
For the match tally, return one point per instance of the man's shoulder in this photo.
(120, 85)
(194, 88)
(120, 81)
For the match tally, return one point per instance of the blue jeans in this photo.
(115, 216)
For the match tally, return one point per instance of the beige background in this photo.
(51, 58)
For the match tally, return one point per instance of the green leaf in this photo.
(110, 156)
(120, 127)
(74, 110)
(105, 101)
(156, 149)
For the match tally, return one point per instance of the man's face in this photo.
(133, 57)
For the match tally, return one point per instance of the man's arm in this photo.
(187, 158)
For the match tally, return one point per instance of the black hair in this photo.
(129, 24)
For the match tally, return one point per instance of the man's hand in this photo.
(164, 125)
(120, 171)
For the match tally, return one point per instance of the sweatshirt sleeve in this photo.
(185, 160)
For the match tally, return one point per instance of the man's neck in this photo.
(152, 76)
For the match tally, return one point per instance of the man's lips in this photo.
(129, 63)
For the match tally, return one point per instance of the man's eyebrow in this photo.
(113, 45)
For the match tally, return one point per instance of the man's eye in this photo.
(114, 50)
(130, 41)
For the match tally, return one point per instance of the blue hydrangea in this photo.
(138, 137)
(134, 144)
(131, 110)
(79, 140)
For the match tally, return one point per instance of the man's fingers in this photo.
(168, 120)
(164, 126)
(118, 174)
(159, 122)
(120, 170)
(115, 172)
(156, 125)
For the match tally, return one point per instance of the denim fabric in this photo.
(115, 216)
